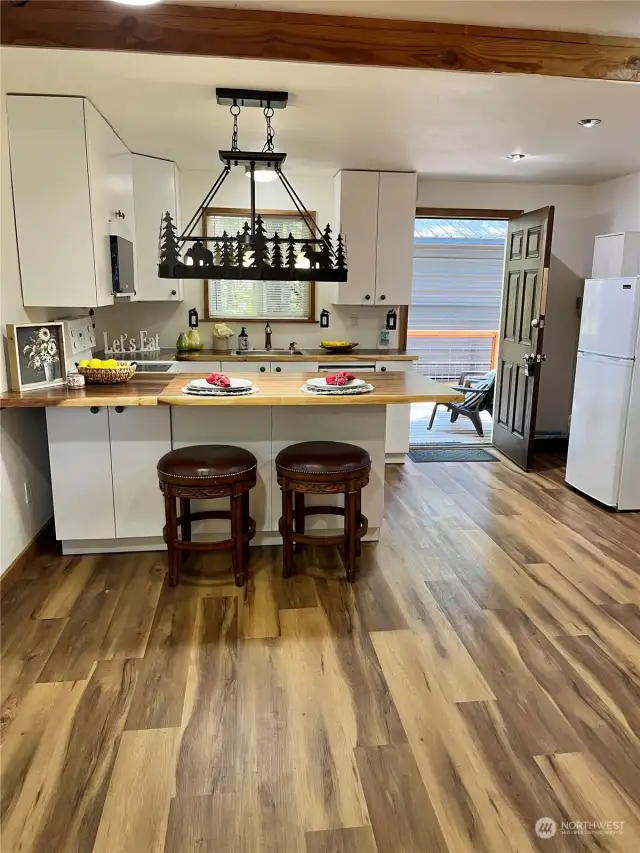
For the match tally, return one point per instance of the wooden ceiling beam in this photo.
(252, 34)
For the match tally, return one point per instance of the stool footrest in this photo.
(362, 525)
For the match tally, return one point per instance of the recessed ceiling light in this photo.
(516, 156)
(590, 122)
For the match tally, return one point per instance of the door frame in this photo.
(448, 213)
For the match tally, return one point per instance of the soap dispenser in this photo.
(243, 340)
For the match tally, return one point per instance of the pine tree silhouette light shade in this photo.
(252, 253)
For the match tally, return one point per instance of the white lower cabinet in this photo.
(294, 367)
(103, 470)
(398, 416)
(245, 367)
(139, 437)
(80, 458)
(197, 367)
(249, 428)
(361, 425)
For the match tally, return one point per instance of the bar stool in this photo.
(201, 472)
(320, 468)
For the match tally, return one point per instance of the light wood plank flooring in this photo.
(443, 432)
(482, 673)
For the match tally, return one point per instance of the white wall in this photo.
(23, 436)
(169, 319)
(572, 249)
(616, 205)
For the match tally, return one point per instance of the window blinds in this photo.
(259, 300)
(457, 285)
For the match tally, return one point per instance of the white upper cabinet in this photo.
(156, 189)
(616, 255)
(70, 173)
(376, 213)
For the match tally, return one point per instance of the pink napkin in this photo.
(340, 379)
(220, 380)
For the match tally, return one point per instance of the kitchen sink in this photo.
(272, 351)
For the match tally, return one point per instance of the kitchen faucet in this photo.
(267, 336)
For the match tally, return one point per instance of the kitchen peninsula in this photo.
(105, 441)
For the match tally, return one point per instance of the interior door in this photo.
(520, 354)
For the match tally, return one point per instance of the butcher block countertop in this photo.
(142, 390)
(314, 355)
(276, 389)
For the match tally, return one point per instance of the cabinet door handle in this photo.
(119, 409)
(94, 410)
(174, 292)
(367, 296)
(262, 369)
(382, 369)
(278, 369)
(382, 296)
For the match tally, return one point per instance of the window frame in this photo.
(239, 211)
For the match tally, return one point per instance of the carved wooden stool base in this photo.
(322, 468)
(201, 473)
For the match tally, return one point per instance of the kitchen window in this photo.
(250, 300)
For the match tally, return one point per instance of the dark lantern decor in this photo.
(252, 253)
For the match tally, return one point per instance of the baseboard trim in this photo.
(395, 458)
(551, 443)
(155, 543)
(41, 543)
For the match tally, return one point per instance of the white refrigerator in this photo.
(604, 439)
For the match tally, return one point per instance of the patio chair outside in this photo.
(478, 397)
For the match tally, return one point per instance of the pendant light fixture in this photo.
(252, 253)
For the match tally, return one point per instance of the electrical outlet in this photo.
(28, 492)
(353, 322)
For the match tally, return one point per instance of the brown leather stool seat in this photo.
(323, 457)
(201, 472)
(322, 467)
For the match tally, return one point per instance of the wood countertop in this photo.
(307, 355)
(142, 390)
(284, 390)
(275, 390)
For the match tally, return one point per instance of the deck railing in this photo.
(445, 354)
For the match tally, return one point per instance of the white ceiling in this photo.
(612, 17)
(441, 124)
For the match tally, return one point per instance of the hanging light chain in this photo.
(268, 115)
(234, 109)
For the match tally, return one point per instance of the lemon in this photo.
(110, 362)
(95, 362)
(84, 363)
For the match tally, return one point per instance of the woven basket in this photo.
(108, 375)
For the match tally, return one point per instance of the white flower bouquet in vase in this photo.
(42, 353)
(36, 355)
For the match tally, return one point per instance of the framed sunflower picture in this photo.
(36, 355)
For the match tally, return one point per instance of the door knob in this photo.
(535, 323)
(529, 358)
(541, 357)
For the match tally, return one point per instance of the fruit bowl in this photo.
(337, 346)
(108, 375)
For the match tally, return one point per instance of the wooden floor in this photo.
(443, 432)
(483, 672)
